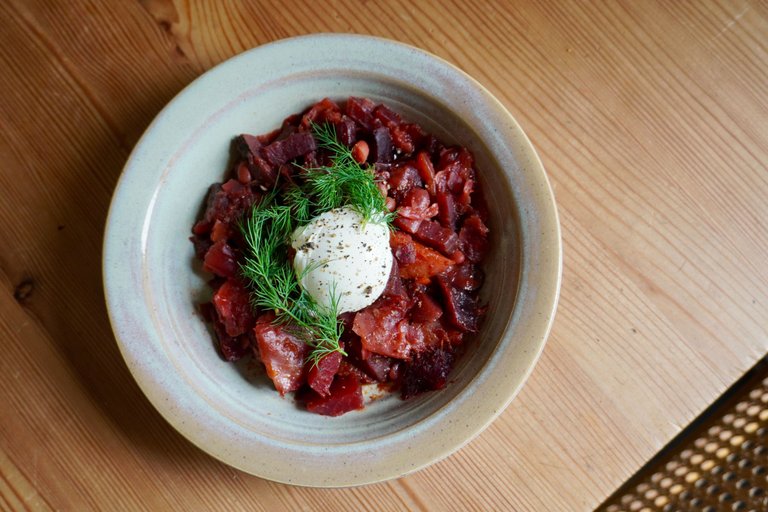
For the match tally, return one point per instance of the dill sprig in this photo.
(275, 286)
(267, 232)
(344, 182)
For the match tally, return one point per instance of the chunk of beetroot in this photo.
(233, 189)
(377, 366)
(473, 237)
(231, 348)
(448, 156)
(287, 129)
(377, 326)
(346, 131)
(425, 309)
(228, 202)
(401, 139)
(412, 335)
(467, 162)
(395, 287)
(233, 307)
(417, 201)
(406, 224)
(345, 395)
(433, 147)
(320, 376)
(323, 111)
(220, 231)
(387, 116)
(441, 238)
(417, 135)
(403, 178)
(426, 172)
(263, 173)
(441, 333)
(249, 148)
(361, 111)
(246, 145)
(203, 226)
(464, 199)
(283, 356)
(427, 371)
(446, 208)
(382, 144)
(451, 178)
(221, 260)
(466, 276)
(293, 146)
(461, 307)
(416, 205)
(346, 368)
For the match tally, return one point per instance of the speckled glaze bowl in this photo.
(153, 284)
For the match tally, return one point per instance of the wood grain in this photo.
(650, 117)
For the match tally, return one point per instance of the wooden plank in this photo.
(649, 117)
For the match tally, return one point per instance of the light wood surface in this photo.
(651, 119)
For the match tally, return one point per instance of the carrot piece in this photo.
(428, 262)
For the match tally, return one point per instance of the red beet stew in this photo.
(409, 338)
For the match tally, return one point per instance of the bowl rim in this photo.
(547, 295)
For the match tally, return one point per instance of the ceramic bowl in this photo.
(153, 284)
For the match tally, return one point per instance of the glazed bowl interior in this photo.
(153, 282)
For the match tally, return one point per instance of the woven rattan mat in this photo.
(718, 463)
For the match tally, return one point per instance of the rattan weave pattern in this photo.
(721, 464)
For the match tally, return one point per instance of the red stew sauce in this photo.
(409, 339)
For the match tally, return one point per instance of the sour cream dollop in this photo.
(337, 248)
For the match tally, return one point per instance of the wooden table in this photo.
(652, 122)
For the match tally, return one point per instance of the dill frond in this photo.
(301, 205)
(274, 284)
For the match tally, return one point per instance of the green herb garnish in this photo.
(275, 286)
(267, 232)
(344, 183)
